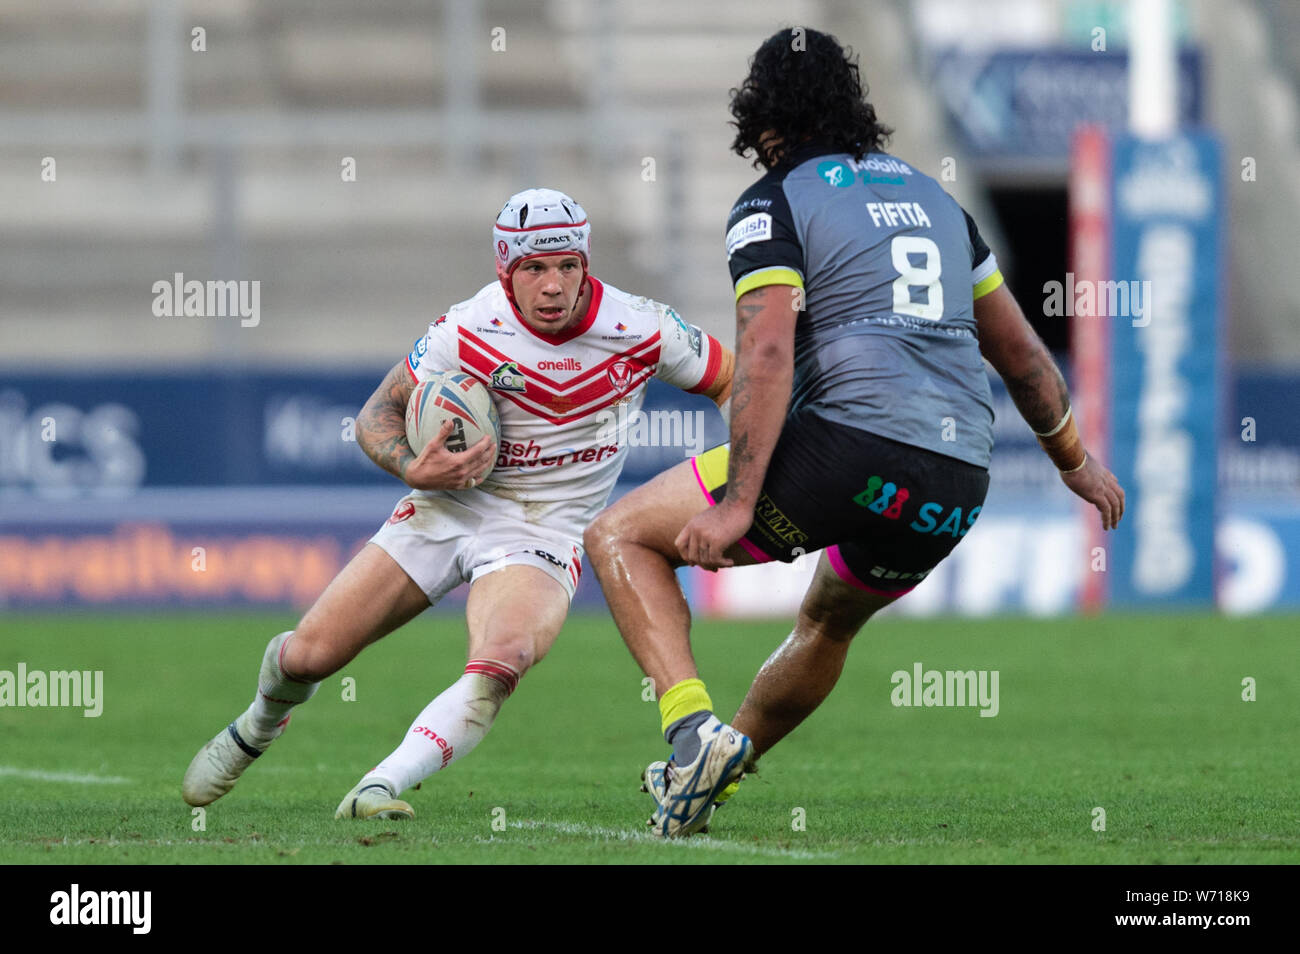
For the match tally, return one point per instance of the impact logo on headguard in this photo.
(506, 377)
(835, 174)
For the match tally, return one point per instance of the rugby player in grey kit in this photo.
(861, 421)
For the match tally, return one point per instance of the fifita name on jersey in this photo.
(894, 213)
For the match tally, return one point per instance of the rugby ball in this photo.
(455, 395)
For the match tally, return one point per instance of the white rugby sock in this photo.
(450, 726)
(277, 694)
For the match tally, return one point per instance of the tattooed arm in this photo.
(1036, 386)
(1017, 353)
(381, 432)
(760, 398)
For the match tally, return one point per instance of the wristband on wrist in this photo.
(1063, 445)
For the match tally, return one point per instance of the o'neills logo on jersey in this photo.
(568, 364)
(405, 511)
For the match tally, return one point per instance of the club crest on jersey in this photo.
(404, 511)
(506, 377)
(620, 376)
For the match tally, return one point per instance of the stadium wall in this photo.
(206, 489)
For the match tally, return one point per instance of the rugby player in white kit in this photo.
(555, 346)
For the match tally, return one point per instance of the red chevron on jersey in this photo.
(647, 352)
(589, 392)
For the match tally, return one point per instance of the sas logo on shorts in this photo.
(506, 377)
(836, 174)
(878, 496)
(404, 511)
(752, 228)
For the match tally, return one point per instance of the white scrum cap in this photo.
(540, 222)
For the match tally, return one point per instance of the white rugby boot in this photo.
(374, 798)
(216, 768)
(686, 795)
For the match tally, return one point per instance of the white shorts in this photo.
(444, 538)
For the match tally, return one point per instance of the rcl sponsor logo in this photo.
(568, 364)
(404, 511)
(439, 741)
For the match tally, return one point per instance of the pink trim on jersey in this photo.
(745, 545)
(700, 480)
(844, 573)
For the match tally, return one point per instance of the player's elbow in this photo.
(770, 358)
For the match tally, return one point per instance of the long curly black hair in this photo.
(803, 85)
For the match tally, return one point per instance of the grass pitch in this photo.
(1140, 716)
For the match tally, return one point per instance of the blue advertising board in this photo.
(1165, 398)
(1026, 104)
(63, 434)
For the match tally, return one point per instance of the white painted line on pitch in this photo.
(82, 778)
(697, 844)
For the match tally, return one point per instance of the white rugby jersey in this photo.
(559, 396)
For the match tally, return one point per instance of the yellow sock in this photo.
(681, 700)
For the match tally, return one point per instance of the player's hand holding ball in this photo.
(440, 468)
(452, 426)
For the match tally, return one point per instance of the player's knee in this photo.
(834, 623)
(603, 537)
(517, 650)
(310, 655)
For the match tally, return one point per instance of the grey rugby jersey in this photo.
(888, 265)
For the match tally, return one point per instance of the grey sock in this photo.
(682, 737)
